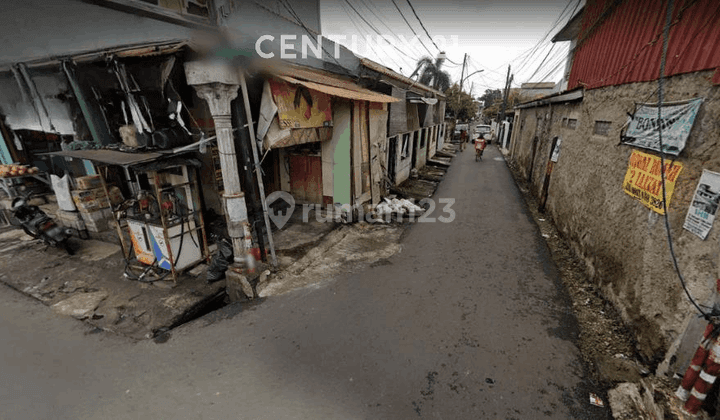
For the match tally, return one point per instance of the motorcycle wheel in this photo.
(66, 246)
(27, 231)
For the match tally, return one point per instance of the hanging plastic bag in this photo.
(61, 186)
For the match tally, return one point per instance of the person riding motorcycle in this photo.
(480, 145)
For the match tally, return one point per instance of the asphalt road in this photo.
(469, 321)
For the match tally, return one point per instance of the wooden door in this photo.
(306, 179)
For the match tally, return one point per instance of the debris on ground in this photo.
(596, 401)
(397, 207)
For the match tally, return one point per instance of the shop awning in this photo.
(358, 93)
(111, 157)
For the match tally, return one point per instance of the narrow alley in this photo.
(468, 321)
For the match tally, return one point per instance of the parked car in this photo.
(483, 131)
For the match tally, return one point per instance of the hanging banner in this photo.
(643, 180)
(677, 121)
(300, 107)
(701, 214)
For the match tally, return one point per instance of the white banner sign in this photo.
(701, 214)
(677, 121)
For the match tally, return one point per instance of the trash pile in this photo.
(398, 208)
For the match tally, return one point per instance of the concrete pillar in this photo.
(218, 84)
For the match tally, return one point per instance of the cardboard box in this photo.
(70, 219)
(90, 200)
(99, 220)
(88, 182)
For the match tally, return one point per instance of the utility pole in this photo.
(508, 81)
(462, 73)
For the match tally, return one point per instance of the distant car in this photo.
(483, 131)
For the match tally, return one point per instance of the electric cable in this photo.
(661, 80)
(422, 24)
(370, 7)
(361, 31)
(411, 28)
(290, 10)
(376, 30)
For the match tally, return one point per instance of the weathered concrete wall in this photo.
(404, 164)
(20, 113)
(432, 147)
(398, 113)
(422, 148)
(249, 21)
(69, 27)
(623, 243)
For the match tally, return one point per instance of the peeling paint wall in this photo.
(623, 243)
(20, 114)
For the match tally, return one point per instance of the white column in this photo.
(219, 96)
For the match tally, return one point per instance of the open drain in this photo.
(212, 309)
(204, 307)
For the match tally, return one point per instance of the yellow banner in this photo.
(643, 180)
(300, 107)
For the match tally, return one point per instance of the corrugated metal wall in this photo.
(621, 41)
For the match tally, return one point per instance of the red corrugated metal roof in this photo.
(621, 41)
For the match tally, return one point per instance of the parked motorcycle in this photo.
(37, 224)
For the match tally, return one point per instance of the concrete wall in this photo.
(422, 148)
(249, 21)
(432, 147)
(34, 29)
(398, 113)
(623, 243)
(20, 113)
(403, 165)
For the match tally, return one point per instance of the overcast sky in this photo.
(494, 33)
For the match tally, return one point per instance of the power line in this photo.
(375, 29)
(290, 10)
(368, 7)
(411, 28)
(360, 31)
(529, 54)
(421, 24)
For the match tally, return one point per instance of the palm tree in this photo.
(431, 73)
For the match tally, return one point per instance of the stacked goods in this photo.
(90, 200)
(88, 182)
(9, 171)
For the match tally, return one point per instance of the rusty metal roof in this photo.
(622, 43)
(397, 76)
(356, 93)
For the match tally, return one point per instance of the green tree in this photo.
(490, 97)
(461, 104)
(514, 98)
(431, 73)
